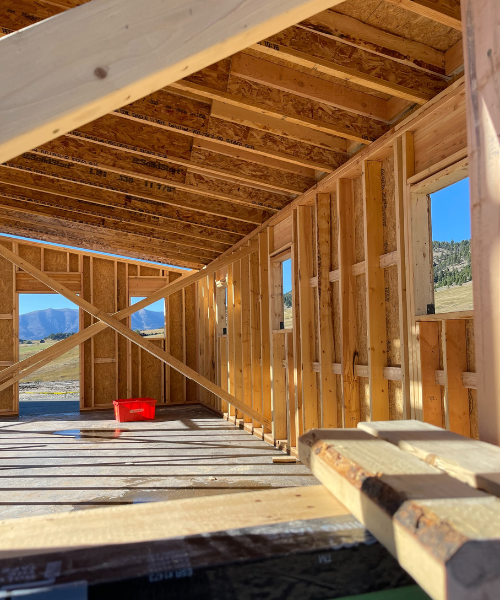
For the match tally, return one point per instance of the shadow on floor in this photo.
(57, 459)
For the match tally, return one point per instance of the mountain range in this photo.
(39, 324)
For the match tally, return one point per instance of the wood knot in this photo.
(101, 72)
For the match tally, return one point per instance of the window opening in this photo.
(150, 321)
(44, 320)
(451, 251)
(286, 272)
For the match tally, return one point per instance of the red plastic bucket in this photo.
(134, 409)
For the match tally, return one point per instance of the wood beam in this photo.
(147, 169)
(93, 237)
(446, 12)
(202, 237)
(253, 68)
(278, 125)
(151, 143)
(352, 64)
(239, 153)
(221, 215)
(160, 522)
(482, 73)
(265, 144)
(340, 122)
(454, 58)
(137, 183)
(172, 242)
(107, 77)
(351, 31)
(443, 532)
(15, 224)
(268, 180)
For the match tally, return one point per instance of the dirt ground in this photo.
(37, 398)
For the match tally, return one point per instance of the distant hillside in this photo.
(41, 323)
(451, 262)
(148, 319)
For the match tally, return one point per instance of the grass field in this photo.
(154, 333)
(67, 366)
(454, 298)
(64, 368)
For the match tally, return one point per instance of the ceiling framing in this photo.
(183, 174)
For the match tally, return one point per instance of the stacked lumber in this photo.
(419, 490)
(292, 543)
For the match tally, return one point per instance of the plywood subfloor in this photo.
(56, 463)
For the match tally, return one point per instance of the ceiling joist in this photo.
(185, 149)
(446, 12)
(348, 30)
(297, 46)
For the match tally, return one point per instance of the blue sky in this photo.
(450, 213)
(158, 306)
(31, 302)
(287, 275)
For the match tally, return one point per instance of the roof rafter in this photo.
(110, 226)
(152, 227)
(43, 95)
(366, 37)
(446, 12)
(87, 236)
(254, 68)
(99, 195)
(297, 46)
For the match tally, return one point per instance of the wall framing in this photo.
(110, 366)
(376, 268)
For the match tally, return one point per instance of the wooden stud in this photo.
(290, 391)
(399, 191)
(324, 300)
(375, 290)
(255, 333)
(246, 334)
(237, 332)
(430, 392)
(456, 399)
(297, 356)
(350, 383)
(230, 334)
(265, 324)
(278, 389)
(223, 370)
(311, 414)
